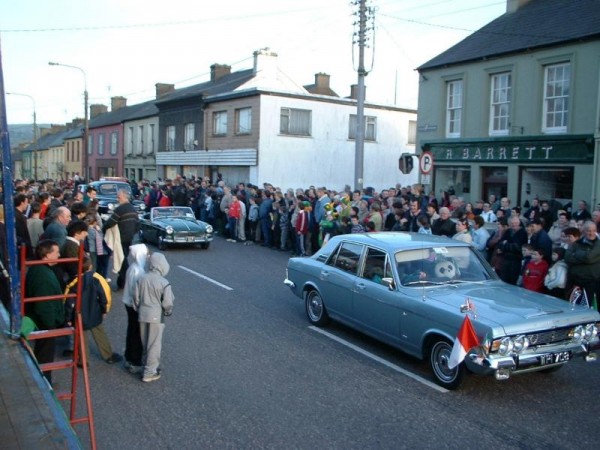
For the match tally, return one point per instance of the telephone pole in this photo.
(365, 15)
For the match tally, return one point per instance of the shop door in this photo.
(495, 181)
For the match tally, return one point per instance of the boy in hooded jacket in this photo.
(153, 300)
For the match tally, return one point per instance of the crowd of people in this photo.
(548, 247)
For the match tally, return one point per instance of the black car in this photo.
(107, 197)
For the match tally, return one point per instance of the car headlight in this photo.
(110, 206)
(506, 346)
(590, 332)
(169, 229)
(577, 333)
(520, 343)
(209, 229)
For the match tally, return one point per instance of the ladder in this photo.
(76, 331)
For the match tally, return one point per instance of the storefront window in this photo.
(547, 183)
(453, 180)
(494, 181)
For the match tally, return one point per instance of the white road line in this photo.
(380, 360)
(204, 277)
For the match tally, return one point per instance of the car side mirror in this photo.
(389, 282)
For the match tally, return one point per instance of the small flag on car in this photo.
(464, 341)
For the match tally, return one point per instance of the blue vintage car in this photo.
(412, 291)
(167, 225)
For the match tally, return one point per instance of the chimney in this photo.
(97, 109)
(76, 123)
(163, 89)
(514, 5)
(322, 80)
(218, 71)
(117, 103)
(265, 62)
(354, 91)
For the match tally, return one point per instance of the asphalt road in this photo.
(243, 369)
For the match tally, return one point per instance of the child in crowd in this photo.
(253, 218)
(356, 226)
(95, 304)
(95, 245)
(424, 225)
(153, 300)
(556, 279)
(526, 257)
(535, 271)
(138, 254)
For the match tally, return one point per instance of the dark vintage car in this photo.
(168, 225)
(107, 197)
(412, 291)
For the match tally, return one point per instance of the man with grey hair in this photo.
(511, 249)
(444, 226)
(57, 229)
(583, 260)
(126, 218)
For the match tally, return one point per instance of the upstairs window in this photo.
(557, 79)
(370, 128)
(140, 141)
(151, 145)
(129, 150)
(189, 135)
(500, 92)
(243, 121)
(412, 132)
(454, 108)
(170, 143)
(101, 144)
(220, 123)
(114, 141)
(295, 122)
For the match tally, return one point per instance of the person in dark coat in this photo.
(540, 239)
(21, 204)
(583, 260)
(510, 247)
(444, 226)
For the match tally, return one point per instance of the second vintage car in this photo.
(413, 291)
(168, 225)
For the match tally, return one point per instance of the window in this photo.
(500, 91)
(243, 121)
(370, 128)
(78, 151)
(139, 149)
(101, 144)
(454, 108)
(377, 266)
(114, 140)
(189, 136)
(412, 132)
(347, 257)
(547, 182)
(295, 122)
(129, 141)
(220, 123)
(556, 98)
(90, 144)
(151, 146)
(170, 138)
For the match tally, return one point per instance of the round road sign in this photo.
(426, 162)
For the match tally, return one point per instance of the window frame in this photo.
(152, 143)
(566, 87)
(101, 139)
(170, 134)
(189, 135)
(219, 125)
(454, 102)
(370, 131)
(500, 96)
(288, 119)
(247, 121)
(114, 143)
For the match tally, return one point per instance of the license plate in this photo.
(554, 358)
(191, 238)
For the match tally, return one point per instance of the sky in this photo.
(126, 47)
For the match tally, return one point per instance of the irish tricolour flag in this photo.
(465, 341)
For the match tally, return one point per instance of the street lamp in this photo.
(35, 149)
(84, 171)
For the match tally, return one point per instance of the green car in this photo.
(413, 292)
(174, 225)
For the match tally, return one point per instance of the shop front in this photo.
(523, 168)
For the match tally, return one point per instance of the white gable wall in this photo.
(326, 158)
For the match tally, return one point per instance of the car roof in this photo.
(398, 240)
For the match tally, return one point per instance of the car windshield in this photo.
(181, 212)
(111, 189)
(434, 266)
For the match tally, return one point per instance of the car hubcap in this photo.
(440, 358)
(315, 307)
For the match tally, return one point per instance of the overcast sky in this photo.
(126, 46)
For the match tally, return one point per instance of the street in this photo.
(242, 368)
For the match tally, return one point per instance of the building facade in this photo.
(516, 113)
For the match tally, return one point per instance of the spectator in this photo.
(556, 279)
(57, 228)
(35, 225)
(510, 246)
(569, 236)
(582, 212)
(424, 225)
(77, 232)
(540, 240)
(557, 229)
(444, 226)
(480, 235)
(546, 215)
(21, 204)
(535, 271)
(534, 210)
(583, 260)
(409, 221)
(462, 231)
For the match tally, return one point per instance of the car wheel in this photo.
(162, 245)
(439, 356)
(205, 245)
(315, 309)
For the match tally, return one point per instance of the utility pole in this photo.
(365, 13)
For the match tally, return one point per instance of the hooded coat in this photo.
(138, 255)
(153, 297)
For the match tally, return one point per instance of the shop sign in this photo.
(535, 150)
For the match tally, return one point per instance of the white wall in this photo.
(326, 158)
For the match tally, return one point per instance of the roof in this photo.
(538, 24)
(125, 113)
(404, 240)
(320, 90)
(47, 141)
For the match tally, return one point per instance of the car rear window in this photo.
(112, 188)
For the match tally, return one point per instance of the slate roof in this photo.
(226, 83)
(538, 24)
(317, 90)
(125, 113)
(48, 140)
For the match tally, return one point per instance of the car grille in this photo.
(549, 337)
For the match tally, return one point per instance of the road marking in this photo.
(204, 277)
(380, 360)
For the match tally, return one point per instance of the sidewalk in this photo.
(30, 415)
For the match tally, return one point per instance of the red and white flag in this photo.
(465, 341)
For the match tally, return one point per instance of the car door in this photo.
(338, 278)
(377, 308)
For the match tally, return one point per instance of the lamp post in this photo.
(86, 130)
(35, 149)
